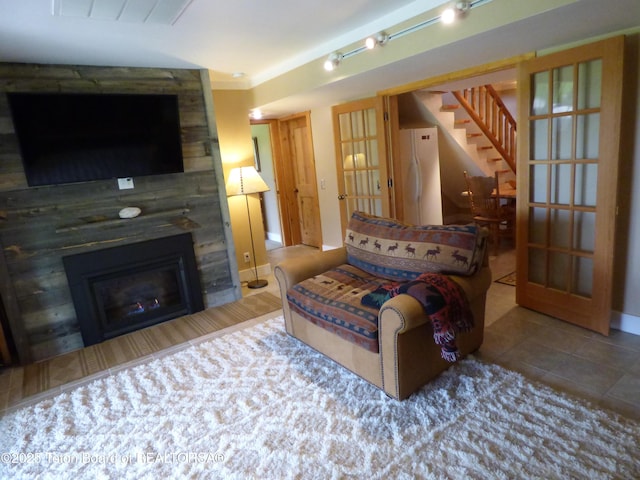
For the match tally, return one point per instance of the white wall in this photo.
(627, 266)
(632, 278)
(326, 174)
(510, 99)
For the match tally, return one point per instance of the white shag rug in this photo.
(256, 403)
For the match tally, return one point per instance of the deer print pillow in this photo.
(393, 250)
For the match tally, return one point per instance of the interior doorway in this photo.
(265, 154)
(284, 157)
(460, 143)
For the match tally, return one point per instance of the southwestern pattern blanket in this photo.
(442, 299)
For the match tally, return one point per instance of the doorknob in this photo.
(342, 196)
(295, 190)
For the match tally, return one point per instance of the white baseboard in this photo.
(625, 322)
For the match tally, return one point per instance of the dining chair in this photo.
(487, 207)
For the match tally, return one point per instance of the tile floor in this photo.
(604, 370)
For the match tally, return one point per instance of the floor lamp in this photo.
(245, 181)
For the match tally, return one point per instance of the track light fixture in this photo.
(457, 9)
(333, 61)
(380, 38)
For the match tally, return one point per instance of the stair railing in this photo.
(487, 110)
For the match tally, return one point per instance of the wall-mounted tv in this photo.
(69, 137)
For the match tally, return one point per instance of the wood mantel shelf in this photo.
(109, 222)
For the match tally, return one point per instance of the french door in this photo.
(569, 133)
(359, 134)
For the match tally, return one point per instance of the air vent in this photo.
(163, 12)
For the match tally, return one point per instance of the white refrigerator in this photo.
(420, 176)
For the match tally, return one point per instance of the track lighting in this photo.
(333, 61)
(456, 9)
(380, 38)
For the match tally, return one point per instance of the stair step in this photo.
(473, 135)
(462, 122)
(485, 147)
(450, 107)
(495, 159)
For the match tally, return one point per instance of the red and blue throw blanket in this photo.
(443, 301)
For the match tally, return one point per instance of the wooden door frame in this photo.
(491, 67)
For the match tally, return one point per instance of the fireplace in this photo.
(121, 289)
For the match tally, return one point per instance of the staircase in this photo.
(480, 124)
(487, 110)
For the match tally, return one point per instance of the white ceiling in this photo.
(251, 36)
(266, 38)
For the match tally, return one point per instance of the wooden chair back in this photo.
(482, 199)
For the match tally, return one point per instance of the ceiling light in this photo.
(448, 16)
(256, 114)
(238, 74)
(456, 10)
(380, 38)
(333, 61)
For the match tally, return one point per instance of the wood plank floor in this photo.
(19, 384)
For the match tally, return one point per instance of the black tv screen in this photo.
(67, 138)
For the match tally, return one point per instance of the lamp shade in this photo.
(245, 180)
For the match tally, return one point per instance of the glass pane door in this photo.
(360, 163)
(570, 105)
(563, 165)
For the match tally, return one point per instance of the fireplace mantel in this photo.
(41, 225)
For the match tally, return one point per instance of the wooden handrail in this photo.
(487, 110)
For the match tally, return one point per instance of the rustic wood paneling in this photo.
(38, 226)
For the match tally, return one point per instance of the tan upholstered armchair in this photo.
(405, 356)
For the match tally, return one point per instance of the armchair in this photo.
(391, 347)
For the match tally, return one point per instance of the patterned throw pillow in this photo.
(390, 249)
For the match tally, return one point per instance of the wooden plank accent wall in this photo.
(38, 226)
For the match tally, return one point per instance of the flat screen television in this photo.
(69, 137)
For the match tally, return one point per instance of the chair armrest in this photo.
(400, 314)
(403, 312)
(397, 316)
(399, 322)
(294, 270)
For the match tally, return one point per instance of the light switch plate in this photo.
(125, 183)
